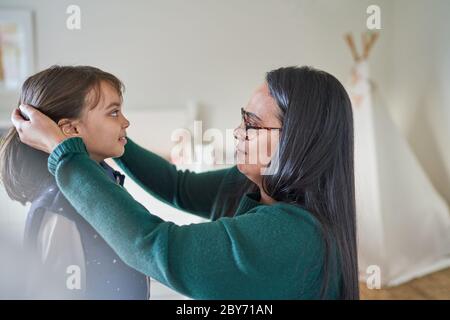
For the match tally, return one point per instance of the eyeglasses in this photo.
(249, 131)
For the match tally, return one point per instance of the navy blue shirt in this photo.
(107, 276)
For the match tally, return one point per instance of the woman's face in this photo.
(103, 127)
(255, 149)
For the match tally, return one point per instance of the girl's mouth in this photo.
(123, 140)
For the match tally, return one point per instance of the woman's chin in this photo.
(242, 167)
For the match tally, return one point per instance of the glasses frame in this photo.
(248, 127)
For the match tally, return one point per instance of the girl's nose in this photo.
(126, 123)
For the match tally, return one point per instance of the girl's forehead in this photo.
(101, 96)
(109, 94)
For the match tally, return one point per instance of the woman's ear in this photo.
(69, 127)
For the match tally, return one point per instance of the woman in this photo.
(283, 232)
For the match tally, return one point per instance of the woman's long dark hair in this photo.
(315, 169)
(59, 92)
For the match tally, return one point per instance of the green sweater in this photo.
(262, 252)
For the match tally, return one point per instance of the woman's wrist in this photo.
(53, 143)
(67, 147)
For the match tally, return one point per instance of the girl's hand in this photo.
(39, 132)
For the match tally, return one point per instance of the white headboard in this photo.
(152, 128)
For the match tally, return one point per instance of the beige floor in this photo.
(432, 286)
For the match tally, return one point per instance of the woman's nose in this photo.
(239, 133)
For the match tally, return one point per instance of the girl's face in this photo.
(103, 127)
(255, 148)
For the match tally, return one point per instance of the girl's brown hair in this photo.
(59, 92)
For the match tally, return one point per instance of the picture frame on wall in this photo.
(16, 47)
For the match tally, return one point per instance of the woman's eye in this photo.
(250, 124)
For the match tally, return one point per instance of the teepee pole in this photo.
(368, 42)
(349, 39)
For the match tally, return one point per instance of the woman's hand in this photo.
(39, 132)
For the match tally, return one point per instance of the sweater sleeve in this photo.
(245, 257)
(186, 190)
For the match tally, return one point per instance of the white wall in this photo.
(420, 103)
(216, 52)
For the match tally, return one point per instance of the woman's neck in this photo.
(265, 198)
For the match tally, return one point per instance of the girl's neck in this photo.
(97, 159)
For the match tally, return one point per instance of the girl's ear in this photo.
(69, 127)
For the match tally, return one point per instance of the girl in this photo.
(287, 231)
(85, 102)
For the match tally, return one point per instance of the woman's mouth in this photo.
(240, 151)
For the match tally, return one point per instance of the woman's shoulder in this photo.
(295, 210)
(233, 175)
(291, 219)
(289, 211)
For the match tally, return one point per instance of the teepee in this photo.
(403, 223)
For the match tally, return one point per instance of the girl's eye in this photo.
(115, 113)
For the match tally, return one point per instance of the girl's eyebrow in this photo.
(113, 104)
